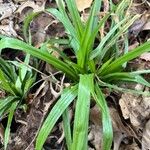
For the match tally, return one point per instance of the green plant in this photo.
(16, 80)
(95, 69)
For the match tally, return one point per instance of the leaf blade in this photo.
(67, 97)
(20, 45)
(80, 130)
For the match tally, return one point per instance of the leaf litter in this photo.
(131, 117)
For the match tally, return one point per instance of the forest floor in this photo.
(130, 113)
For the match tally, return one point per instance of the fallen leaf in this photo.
(83, 4)
(117, 123)
(1, 133)
(133, 146)
(145, 56)
(106, 5)
(8, 29)
(118, 137)
(95, 115)
(131, 47)
(7, 9)
(33, 5)
(146, 137)
(147, 26)
(95, 136)
(136, 108)
(125, 107)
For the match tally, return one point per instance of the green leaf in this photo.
(127, 57)
(17, 44)
(26, 24)
(80, 130)
(6, 101)
(67, 97)
(8, 69)
(5, 84)
(62, 16)
(125, 76)
(75, 17)
(68, 27)
(5, 104)
(87, 39)
(104, 66)
(67, 129)
(23, 69)
(121, 8)
(115, 87)
(116, 36)
(28, 83)
(7, 130)
(106, 119)
(98, 50)
(138, 72)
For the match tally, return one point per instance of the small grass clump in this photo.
(16, 80)
(95, 69)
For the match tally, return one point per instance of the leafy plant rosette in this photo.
(15, 79)
(94, 69)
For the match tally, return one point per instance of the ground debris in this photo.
(146, 137)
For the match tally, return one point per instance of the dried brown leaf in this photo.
(33, 5)
(1, 133)
(95, 136)
(8, 29)
(145, 56)
(83, 4)
(146, 137)
(136, 108)
(117, 123)
(147, 26)
(133, 146)
(7, 9)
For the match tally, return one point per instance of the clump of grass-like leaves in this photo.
(95, 69)
(16, 80)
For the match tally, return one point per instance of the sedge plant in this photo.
(16, 80)
(94, 69)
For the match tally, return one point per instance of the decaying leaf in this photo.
(138, 25)
(95, 136)
(7, 9)
(134, 45)
(117, 123)
(146, 137)
(95, 115)
(120, 131)
(139, 7)
(133, 146)
(145, 56)
(1, 133)
(118, 137)
(106, 5)
(31, 4)
(147, 26)
(83, 4)
(125, 107)
(8, 29)
(2, 94)
(136, 108)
